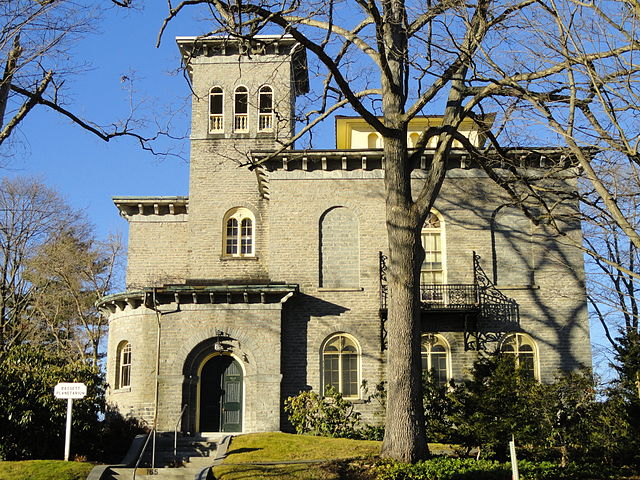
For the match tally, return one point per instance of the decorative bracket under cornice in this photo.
(263, 181)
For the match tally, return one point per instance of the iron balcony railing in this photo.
(451, 296)
(456, 296)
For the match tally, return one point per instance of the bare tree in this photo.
(52, 271)
(35, 42)
(613, 264)
(69, 274)
(391, 60)
(590, 102)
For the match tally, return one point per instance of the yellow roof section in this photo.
(356, 133)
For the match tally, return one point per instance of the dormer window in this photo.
(265, 105)
(216, 102)
(240, 110)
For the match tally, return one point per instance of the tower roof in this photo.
(285, 45)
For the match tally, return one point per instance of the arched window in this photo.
(265, 105)
(216, 102)
(372, 140)
(340, 365)
(413, 139)
(435, 353)
(240, 109)
(524, 350)
(239, 233)
(123, 365)
(432, 271)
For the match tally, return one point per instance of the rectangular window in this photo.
(232, 236)
(349, 375)
(246, 246)
(331, 372)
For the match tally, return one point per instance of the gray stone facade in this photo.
(314, 269)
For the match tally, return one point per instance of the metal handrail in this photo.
(175, 432)
(144, 447)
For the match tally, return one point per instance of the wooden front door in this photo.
(221, 395)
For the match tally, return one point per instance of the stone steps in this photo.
(193, 454)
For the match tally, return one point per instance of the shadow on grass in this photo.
(242, 450)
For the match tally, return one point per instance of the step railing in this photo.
(175, 433)
(144, 448)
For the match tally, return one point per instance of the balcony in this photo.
(240, 123)
(265, 122)
(216, 124)
(447, 297)
(478, 309)
(454, 296)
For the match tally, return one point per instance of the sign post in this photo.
(69, 391)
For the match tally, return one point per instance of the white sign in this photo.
(70, 390)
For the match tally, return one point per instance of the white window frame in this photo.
(240, 120)
(216, 120)
(431, 340)
(265, 120)
(123, 364)
(520, 340)
(358, 354)
(240, 215)
(428, 230)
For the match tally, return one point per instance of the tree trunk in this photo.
(404, 438)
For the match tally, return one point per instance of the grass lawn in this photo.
(246, 451)
(44, 470)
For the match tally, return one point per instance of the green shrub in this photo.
(499, 401)
(28, 408)
(329, 415)
(469, 469)
(442, 468)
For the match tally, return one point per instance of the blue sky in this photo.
(86, 170)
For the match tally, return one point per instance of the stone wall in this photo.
(158, 250)
(254, 341)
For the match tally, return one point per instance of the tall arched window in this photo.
(524, 350)
(435, 354)
(340, 365)
(265, 105)
(239, 233)
(372, 140)
(413, 139)
(432, 270)
(123, 365)
(216, 102)
(240, 109)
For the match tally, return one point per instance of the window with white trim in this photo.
(524, 350)
(432, 269)
(123, 365)
(340, 365)
(435, 355)
(239, 233)
(265, 107)
(216, 103)
(241, 109)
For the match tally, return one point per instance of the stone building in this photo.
(265, 282)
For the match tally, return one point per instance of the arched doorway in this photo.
(220, 395)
